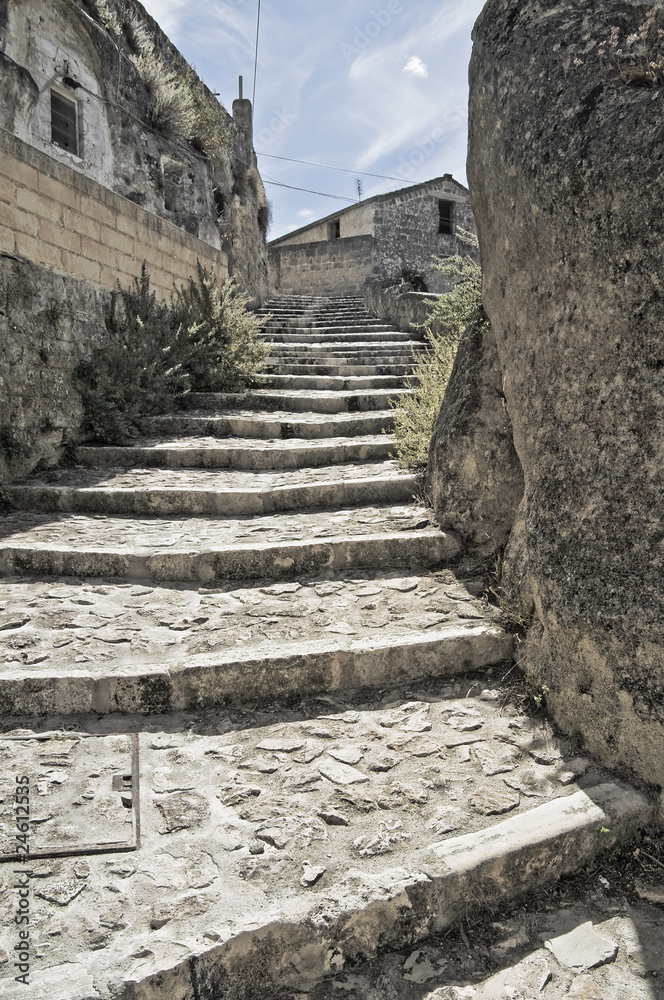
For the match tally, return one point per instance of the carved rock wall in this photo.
(565, 168)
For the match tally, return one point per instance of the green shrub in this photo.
(222, 349)
(155, 353)
(137, 373)
(453, 312)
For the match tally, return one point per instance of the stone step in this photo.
(405, 352)
(298, 401)
(284, 846)
(240, 676)
(284, 424)
(340, 383)
(277, 545)
(309, 366)
(349, 325)
(246, 453)
(327, 337)
(201, 493)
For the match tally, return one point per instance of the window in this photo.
(173, 185)
(334, 229)
(64, 123)
(446, 217)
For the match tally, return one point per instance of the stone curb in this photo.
(367, 912)
(245, 675)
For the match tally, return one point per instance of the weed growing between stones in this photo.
(453, 314)
(639, 59)
(156, 353)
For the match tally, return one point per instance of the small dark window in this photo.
(446, 217)
(64, 125)
(334, 229)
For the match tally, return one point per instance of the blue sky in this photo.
(373, 86)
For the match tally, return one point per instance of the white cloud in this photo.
(416, 67)
(306, 213)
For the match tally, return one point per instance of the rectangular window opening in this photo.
(334, 229)
(446, 217)
(64, 123)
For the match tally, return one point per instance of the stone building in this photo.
(112, 153)
(378, 237)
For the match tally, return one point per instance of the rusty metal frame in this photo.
(113, 848)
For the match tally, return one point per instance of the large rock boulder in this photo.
(566, 168)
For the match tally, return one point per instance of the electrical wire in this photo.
(258, 25)
(292, 187)
(327, 166)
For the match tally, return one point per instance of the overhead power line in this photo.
(292, 187)
(347, 170)
(258, 26)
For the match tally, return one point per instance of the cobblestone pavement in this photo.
(267, 744)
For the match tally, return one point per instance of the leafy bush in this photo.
(204, 340)
(416, 278)
(222, 350)
(136, 373)
(453, 312)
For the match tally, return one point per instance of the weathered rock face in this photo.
(566, 177)
(474, 477)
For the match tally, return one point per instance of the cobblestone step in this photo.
(328, 336)
(279, 545)
(197, 492)
(244, 453)
(338, 383)
(278, 424)
(298, 401)
(399, 353)
(311, 366)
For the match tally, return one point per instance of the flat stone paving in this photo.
(201, 479)
(106, 623)
(255, 817)
(78, 531)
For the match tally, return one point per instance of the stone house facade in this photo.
(378, 237)
(97, 176)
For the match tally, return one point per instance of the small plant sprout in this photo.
(639, 59)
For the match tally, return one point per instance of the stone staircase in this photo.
(324, 746)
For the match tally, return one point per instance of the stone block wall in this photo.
(52, 215)
(337, 267)
(398, 305)
(406, 231)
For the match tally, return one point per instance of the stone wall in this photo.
(48, 323)
(398, 305)
(51, 215)
(573, 288)
(337, 267)
(89, 52)
(406, 231)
